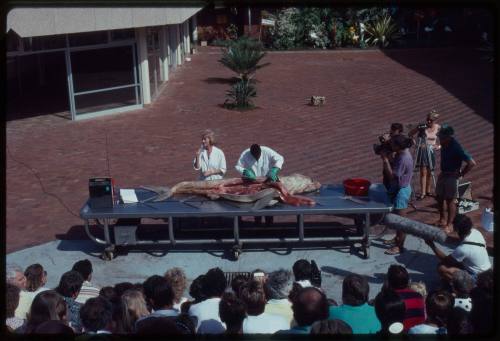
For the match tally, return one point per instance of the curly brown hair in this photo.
(176, 277)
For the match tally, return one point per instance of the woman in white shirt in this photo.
(209, 159)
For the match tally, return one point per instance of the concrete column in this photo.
(172, 43)
(178, 42)
(142, 51)
(194, 32)
(188, 40)
(163, 37)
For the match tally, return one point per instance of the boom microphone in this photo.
(415, 228)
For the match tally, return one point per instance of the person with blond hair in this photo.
(133, 308)
(209, 160)
(178, 281)
(426, 159)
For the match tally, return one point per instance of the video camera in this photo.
(384, 146)
(421, 127)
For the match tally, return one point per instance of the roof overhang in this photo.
(38, 21)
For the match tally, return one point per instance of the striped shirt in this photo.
(415, 307)
(87, 291)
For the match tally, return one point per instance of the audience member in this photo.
(481, 315)
(177, 280)
(160, 296)
(133, 307)
(54, 327)
(237, 282)
(69, 288)
(36, 278)
(213, 285)
(97, 316)
(15, 276)
(419, 287)
(47, 305)
(302, 272)
(11, 303)
(390, 310)
(196, 292)
(277, 288)
(330, 327)
(310, 305)
(259, 275)
(459, 322)
(232, 312)
(257, 321)
(438, 306)
(462, 283)
(398, 280)
(109, 293)
(121, 287)
(84, 267)
(355, 310)
(470, 255)
(158, 326)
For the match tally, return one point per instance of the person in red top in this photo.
(398, 280)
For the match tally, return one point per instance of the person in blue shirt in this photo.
(452, 157)
(355, 310)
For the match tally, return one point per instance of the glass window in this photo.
(45, 43)
(122, 34)
(102, 68)
(105, 100)
(88, 38)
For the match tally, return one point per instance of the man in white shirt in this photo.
(207, 311)
(470, 255)
(88, 290)
(259, 161)
(258, 321)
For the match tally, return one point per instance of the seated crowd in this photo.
(279, 302)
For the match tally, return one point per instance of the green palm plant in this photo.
(240, 93)
(243, 57)
(382, 32)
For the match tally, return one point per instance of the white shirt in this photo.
(25, 300)
(268, 159)
(216, 160)
(281, 307)
(207, 313)
(264, 324)
(474, 258)
(87, 291)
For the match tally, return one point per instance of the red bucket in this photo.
(356, 187)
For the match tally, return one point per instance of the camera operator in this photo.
(399, 174)
(426, 159)
(395, 129)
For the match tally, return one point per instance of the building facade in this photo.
(91, 62)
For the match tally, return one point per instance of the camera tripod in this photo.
(423, 151)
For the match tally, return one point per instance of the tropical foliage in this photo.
(240, 94)
(243, 57)
(382, 32)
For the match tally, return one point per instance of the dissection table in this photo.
(330, 200)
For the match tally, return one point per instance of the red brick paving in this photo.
(365, 92)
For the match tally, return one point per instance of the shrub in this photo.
(239, 96)
(243, 56)
(284, 32)
(382, 32)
